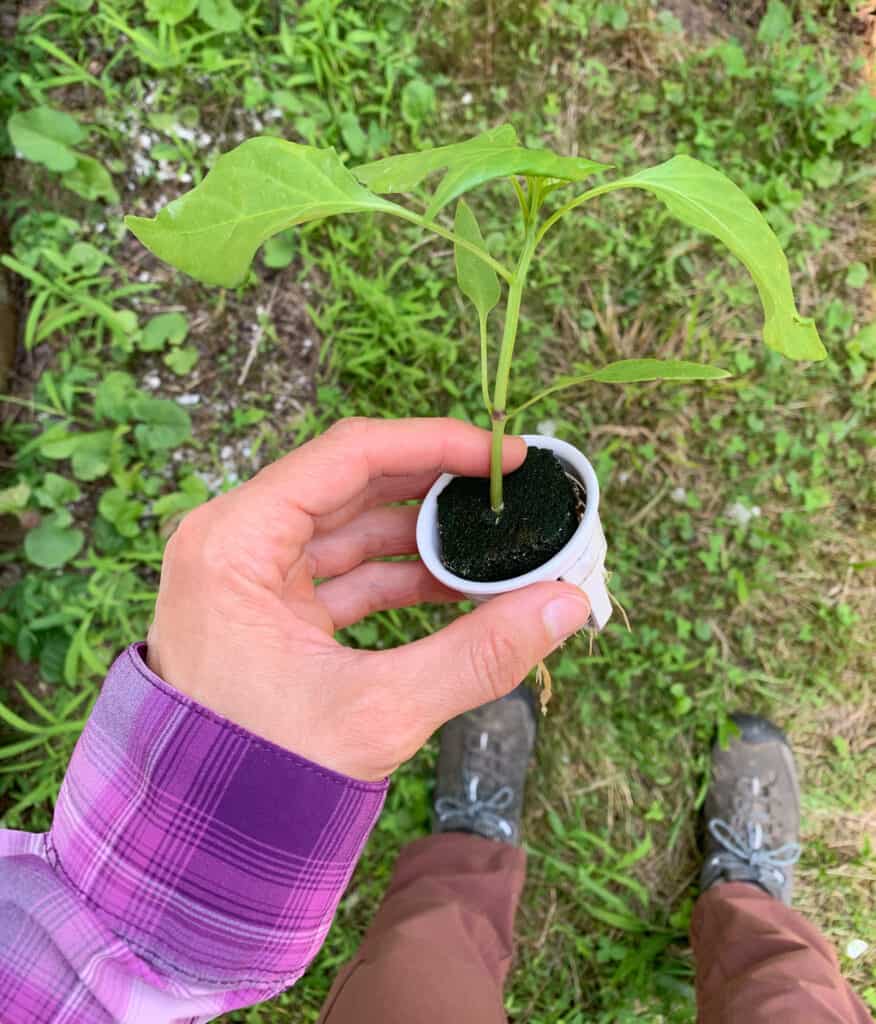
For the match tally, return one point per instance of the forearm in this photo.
(191, 867)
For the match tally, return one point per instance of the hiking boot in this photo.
(482, 768)
(752, 810)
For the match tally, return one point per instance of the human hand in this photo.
(241, 627)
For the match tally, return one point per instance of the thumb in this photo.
(485, 654)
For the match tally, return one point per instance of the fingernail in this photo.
(565, 615)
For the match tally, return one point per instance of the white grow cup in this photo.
(581, 561)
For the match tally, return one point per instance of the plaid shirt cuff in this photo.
(215, 855)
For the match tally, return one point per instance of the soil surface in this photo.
(540, 515)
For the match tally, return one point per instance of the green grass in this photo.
(773, 613)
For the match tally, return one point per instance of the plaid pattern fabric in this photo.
(191, 867)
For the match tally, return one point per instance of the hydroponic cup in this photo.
(581, 561)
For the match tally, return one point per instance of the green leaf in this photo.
(166, 328)
(864, 342)
(112, 399)
(476, 280)
(86, 257)
(856, 275)
(46, 136)
(14, 499)
(279, 251)
(51, 546)
(171, 12)
(220, 14)
(775, 24)
(56, 491)
(706, 199)
(91, 180)
(503, 162)
(824, 172)
(494, 154)
(117, 508)
(78, 6)
(181, 360)
(628, 371)
(89, 452)
(192, 492)
(258, 189)
(91, 457)
(417, 103)
(163, 423)
(354, 138)
(404, 172)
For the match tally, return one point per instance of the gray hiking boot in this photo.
(482, 768)
(752, 810)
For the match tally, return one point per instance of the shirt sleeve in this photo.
(191, 868)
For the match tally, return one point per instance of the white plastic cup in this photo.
(581, 561)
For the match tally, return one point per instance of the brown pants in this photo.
(440, 947)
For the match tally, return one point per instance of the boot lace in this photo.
(473, 811)
(742, 840)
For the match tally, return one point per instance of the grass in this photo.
(737, 514)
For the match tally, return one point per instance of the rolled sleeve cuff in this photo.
(208, 850)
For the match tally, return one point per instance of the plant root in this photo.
(544, 683)
(621, 609)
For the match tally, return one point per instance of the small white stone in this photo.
(547, 427)
(226, 452)
(856, 948)
(679, 495)
(467, 99)
(741, 514)
(189, 399)
(624, 476)
(212, 482)
(152, 381)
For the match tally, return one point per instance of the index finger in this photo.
(325, 474)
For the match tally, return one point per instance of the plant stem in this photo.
(549, 391)
(485, 381)
(421, 221)
(524, 206)
(506, 352)
(611, 186)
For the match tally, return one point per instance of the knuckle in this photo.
(351, 428)
(495, 662)
(198, 541)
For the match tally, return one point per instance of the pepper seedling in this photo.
(267, 185)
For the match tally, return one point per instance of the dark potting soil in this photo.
(540, 515)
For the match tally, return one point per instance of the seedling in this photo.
(267, 185)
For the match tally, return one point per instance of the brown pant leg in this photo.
(760, 962)
(440, 945)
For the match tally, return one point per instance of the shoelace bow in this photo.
(751, 851)
(481, 815)
(484, 815)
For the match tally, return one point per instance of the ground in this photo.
(738, 514)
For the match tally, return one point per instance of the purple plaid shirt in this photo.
(191, 867)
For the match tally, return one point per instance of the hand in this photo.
(241, 627)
